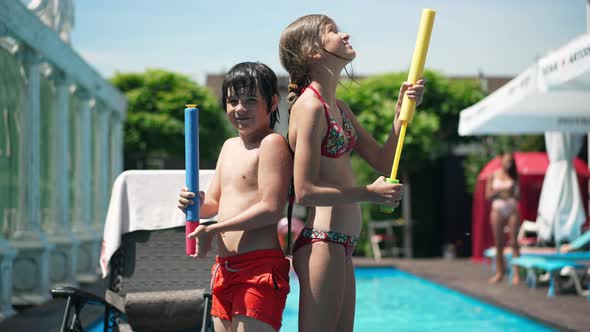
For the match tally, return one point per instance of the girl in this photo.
(502, 190)
(322, 132)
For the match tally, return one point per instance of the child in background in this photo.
(248, 193)
(322, 132)
(502, 191)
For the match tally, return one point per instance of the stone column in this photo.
(31, 284)
(102, 170)
(7, 253)
(63, 259)
(89, 246)
(117, 142)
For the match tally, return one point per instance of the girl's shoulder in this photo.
(341, 103)
(495, 174)
(307, 105)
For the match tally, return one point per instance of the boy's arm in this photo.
(275, 169)
(210, 205)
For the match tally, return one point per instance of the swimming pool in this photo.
(392, 300)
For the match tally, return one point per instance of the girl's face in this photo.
(507, 161)
(248, 113)
(336, 42)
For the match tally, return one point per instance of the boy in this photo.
(247, 193)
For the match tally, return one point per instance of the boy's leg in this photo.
(346, 321)
(241, 323)
(322, 281)
(221, 325)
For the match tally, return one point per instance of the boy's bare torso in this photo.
(238, 173)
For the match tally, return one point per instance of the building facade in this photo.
(61, 146)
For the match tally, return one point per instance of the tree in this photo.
(155, 117)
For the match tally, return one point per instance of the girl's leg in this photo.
(241, 323)
(321, 269)
(221, 325)
(346, 321)
(514, 225)
(498, 230)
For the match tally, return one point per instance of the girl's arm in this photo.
(381, 157)
(311, 127)
(516, 189)
(275, 170)
(490, 193)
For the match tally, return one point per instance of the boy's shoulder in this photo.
(273, 141)
(231, 140)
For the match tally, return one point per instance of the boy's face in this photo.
(247, 113)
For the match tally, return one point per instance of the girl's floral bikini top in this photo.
(338, 140)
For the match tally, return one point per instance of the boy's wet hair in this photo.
(245, 78)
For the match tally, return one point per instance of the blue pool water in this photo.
(392, 300)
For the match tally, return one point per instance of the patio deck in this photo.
(567, 312)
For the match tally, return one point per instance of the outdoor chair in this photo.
(578, 254)
(153, 286)
(552, 269)
(383, 239)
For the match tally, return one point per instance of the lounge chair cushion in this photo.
(177, 310)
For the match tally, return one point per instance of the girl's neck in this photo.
(325, 80)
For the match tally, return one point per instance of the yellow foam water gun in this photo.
(416, 71)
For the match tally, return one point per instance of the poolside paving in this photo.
(565, 312)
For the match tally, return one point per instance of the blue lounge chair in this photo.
(579, 243)
(554, 267)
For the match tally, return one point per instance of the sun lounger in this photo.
(555, 268)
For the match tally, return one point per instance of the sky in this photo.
(196, 38)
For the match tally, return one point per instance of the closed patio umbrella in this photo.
(561, 212)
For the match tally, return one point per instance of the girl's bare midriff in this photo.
(346, 218)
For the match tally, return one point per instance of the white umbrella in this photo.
(553, 96)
